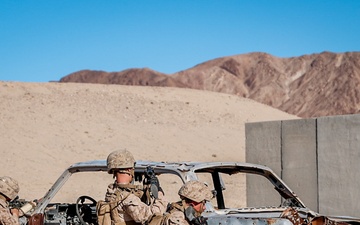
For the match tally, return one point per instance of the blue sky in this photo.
(44, 40)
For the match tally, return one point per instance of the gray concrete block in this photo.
(263, 146)
(338, 165)
(299, 159)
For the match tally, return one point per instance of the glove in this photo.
(190, 216)
(155, 181)
(200, 220)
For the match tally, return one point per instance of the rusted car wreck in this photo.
(224, 209)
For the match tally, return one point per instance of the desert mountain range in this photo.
(307, 86)
(45, 127)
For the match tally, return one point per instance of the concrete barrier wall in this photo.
(318, 159)
(298, 159)
(270, 133)
(339, 164)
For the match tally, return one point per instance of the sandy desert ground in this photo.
(45, 127)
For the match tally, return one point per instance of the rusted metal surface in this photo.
(271, 221)
(322, 220)
(233, 220)
(292, 215)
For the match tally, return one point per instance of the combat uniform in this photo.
(126, 206)
(192, 190)
(6, 218)
(9, 188)
(130, 208)
(176, 215)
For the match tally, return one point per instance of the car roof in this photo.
(225, 167)
(186, 170)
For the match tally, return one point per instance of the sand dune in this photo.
(45, 127)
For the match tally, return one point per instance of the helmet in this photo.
(120, 159)
(9, 187)
(196, 191)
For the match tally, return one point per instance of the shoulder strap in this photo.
(134, 189)
(129, 186)
(114, 213)
(121, 196)
(177, 206)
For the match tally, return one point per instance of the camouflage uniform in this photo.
(176, 215)
(194, 191)
(5, 216)
(129, 205)
(9, 188)
(126, 207)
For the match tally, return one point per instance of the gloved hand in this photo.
(194, 220)
(155, 181)
(200, 220)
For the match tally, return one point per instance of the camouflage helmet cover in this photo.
(120, 159)
(196, 191)
(9, 187)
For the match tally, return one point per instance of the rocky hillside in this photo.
(307, 86)
(139, 77)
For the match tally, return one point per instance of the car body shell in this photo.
(292, 211)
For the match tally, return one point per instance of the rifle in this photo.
(152, 181)
(17, 203)
(22, 205)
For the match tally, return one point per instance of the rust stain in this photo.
(292, 215)
(322, 220)
(271, 221)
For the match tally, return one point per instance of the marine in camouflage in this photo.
(196, 191)
(6, 218)
(126, 206)
(176, 217)
(192, 190)
(120, 159)
(129, 205)
(9, 187)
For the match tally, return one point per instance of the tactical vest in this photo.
(164, 219)
(108, 213)
(176, 206)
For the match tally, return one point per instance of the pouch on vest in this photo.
(107, 214)
(103, 213)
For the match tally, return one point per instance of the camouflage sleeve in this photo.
(160, 204)
(140, 212)
(110, 193)
(6, 218)
(176, 218)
